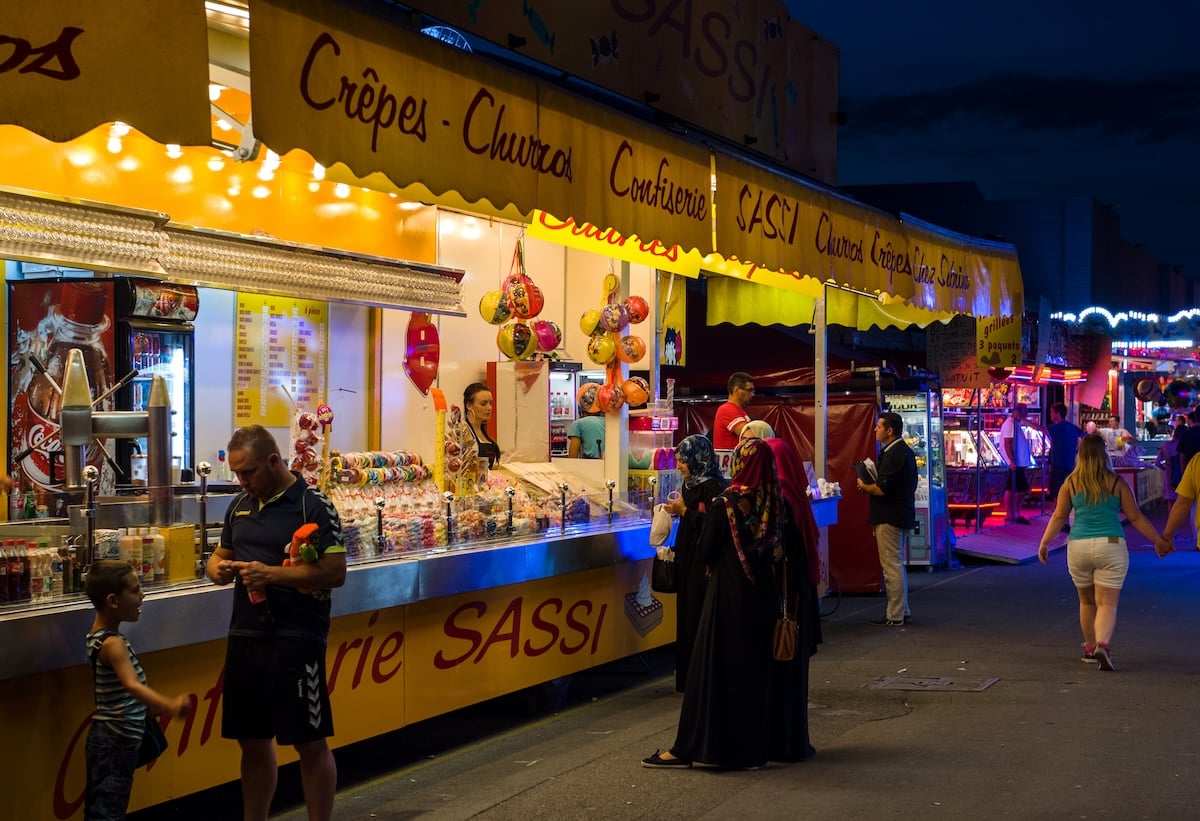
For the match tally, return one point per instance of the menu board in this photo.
(950, 352)
(280, 358)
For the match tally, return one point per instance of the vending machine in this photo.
(921, 412)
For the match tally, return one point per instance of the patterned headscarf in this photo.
(697, 453)
(754, 506)
(792, 483)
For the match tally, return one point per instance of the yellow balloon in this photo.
(590, 321)
(601, 349)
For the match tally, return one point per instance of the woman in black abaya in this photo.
(726, 716)
(702, 481)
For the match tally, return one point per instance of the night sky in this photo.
(1029, 100)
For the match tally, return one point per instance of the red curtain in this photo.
(850, 437)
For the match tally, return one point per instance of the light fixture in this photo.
(225, 8)
(76, 233)
(174, 151)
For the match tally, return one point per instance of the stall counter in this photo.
(411, 639)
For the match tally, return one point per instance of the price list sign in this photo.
(280, 354)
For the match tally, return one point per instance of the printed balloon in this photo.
(631, 349)
(637, 391)
(525, 299)
(586, 398)
(614, 318)
(601, 349)
(610, 398)
(549, 335)
(494, 308)
(637, 308)
(589, 321)
(516, 341)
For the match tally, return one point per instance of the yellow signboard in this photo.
(387, 668)
(279, 358)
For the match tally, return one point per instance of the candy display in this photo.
(307, 442)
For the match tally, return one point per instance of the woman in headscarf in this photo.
(702, 480)
(726, 718)
(789, 679)
(756, 429)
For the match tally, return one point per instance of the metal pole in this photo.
(821, 330)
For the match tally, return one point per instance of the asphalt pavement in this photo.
(999, 719)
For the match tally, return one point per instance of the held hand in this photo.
(225, 571)
(180, 707)
(675, 507)
(1164, 546)
(255, 575)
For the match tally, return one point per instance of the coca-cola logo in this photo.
(38, 438)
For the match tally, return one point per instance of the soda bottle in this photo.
(4, 549)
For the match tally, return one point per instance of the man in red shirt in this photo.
(732, 416)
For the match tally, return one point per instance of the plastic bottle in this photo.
(147, 572)
(67, 562)
(125, 548)
(159, 548)
(30, 509)
(36, 578)
(23, 571)
(4, 550)
(54, 565)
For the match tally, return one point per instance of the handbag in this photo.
(784, 636)
(154, 741)
(664, 576)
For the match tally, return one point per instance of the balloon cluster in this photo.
(608, 345)
(519, 297)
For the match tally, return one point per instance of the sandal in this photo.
(657, 761)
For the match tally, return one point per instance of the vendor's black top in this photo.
(262, 532)
(897, 471)
(488, 449)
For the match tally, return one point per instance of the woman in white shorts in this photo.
(1097, 557)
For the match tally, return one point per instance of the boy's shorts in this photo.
(275, 688)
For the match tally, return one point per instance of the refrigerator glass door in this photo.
(158, 351)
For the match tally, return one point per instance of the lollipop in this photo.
(494, 308)
(549, 335)
(631, 349)
(637, 308)
(516, 341)
(614, 318)
(601, 349)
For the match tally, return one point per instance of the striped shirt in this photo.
(114, 704)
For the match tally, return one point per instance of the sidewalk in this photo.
(1050, 738)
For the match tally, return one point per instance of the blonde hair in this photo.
(1093, 473)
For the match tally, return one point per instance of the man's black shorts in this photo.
(1022, 484)
(275, 688)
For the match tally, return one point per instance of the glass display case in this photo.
(921, 413)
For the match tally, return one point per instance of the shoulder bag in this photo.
(783, 639)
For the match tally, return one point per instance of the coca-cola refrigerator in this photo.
(120, 324)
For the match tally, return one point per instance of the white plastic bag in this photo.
(660, 526)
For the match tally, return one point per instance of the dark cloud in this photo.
(1146, 110)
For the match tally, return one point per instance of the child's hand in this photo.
(181, 706)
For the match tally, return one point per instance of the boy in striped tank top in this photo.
(122, 697)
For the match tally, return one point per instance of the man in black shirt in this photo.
(892, 512)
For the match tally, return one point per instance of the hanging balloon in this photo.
(516, 341)
(601, 349)
(525, 299)
(637, 308)
(586, 397)
(610, 398)
(611, 283)
(494, 308)
(549, 335)
(614, 318)
(631, 349)
(636, 390)
(589, 321)
(1147, 389)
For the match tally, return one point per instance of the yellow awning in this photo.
(69, 66)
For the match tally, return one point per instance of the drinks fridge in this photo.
(119, 324)
(566, 378)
